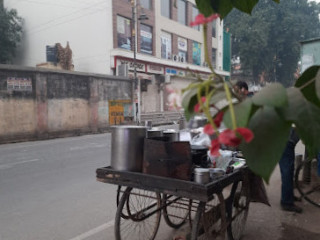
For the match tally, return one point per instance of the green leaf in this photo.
(306, 116)
(219, 95)
(189, 100)
(270, 136)
(204, 7)
(273, 95)
(245, 5)
(309, 84)
(242, 111)
(223, 7)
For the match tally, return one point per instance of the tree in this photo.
(268, 40)
(10, 34)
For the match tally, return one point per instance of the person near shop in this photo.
(286, 164)
(242, 89)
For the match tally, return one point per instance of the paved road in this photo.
(48, 191)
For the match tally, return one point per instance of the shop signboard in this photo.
(140, 67)
(19, 84)
(151, 68)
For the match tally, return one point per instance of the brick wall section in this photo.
(209, 39)
(189, 13)
(174, 11)
(174, 44)
(124, 9)
(190, 51)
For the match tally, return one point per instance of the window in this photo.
(214, 57)
(182, 12)
(145, 39)
(196, 53)
(182, 49)
(124, 32)
(145, 4)
(214, 28)
(166, 45)
(195, 12)
(166, 8)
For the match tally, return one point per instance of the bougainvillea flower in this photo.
(201, 19)
(208, 129)
(218, 119)
(215, 146)
(245, 133)
(197, 106)
(229, 138)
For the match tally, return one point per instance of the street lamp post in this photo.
(134, 44)
(135, 79)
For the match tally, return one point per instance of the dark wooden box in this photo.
(167, 159)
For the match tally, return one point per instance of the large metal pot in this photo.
(127, 147)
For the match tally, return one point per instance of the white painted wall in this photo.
(86, 24)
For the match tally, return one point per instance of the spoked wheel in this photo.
(120, 191)
(177, 210)
(210, 219)
(143, 219)
(307, 181)
(238, 210)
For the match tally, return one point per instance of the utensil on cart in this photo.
(127, 147)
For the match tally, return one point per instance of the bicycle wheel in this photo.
(143, 215)
(176, 212)
(307, 181)
(124, 212)
(210, 219)
(237, 211)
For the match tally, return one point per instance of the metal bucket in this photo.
(154, 133)
(172, 134)
(127, 148)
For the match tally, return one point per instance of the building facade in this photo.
(168, 50)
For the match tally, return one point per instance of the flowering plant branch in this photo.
(258, 126)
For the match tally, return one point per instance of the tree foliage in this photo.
(268, 39)
(10, 34)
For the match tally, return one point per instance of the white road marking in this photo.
(94, 145)
(10, 165)
(94, 231)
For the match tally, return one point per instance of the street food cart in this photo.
(218, 208)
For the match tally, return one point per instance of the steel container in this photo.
(172, 135)
(154, 133)
(127, 147)
(202, 175)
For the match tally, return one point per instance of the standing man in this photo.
(286, 164)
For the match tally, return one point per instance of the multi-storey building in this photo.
(100, 36)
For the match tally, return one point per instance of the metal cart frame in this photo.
(231, 212)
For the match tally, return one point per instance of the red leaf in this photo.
(229, 138)
(208, 129)
(246, 134)
(218, 119)
(214, 149)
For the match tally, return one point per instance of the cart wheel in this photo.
(307, 181)
(238, 210)
(176, 212)
(120, 191)
(210, 220)
(143, 209)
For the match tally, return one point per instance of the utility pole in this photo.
(134, 44)
(1, 3)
